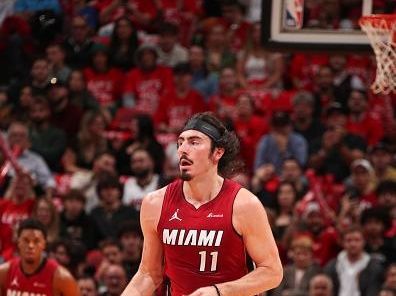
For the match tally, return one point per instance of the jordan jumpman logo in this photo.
(175, 216)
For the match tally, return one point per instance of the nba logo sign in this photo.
(293, 17)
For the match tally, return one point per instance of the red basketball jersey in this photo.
(38, 284)
(201, 246)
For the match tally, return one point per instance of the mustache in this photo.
(183, 157)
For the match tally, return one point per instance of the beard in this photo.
(185, 176)
(141, 174)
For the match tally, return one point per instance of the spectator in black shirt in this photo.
(75, 224)
(336, 149)
(78, 46)
(110, 213)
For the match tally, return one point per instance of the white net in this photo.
(381, 31)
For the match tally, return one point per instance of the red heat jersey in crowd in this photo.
(12, 213)
(145, 7)
(175, 111)
(369, 127)
(201, 246)
(105, 87)
(250, 132)
(37, 284)
(148, 87)
(238, 34)
(304, 68)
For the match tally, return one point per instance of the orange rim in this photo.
(378, 20)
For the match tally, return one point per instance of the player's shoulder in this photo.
(154, 198)
(61, 273)
(150, 211)
(4, 268)
(245, 199)
(64, 282)
(152, 202)
(247, 212)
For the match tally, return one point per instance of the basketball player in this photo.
(197, 229)
(32, 273)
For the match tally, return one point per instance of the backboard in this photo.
(315, 25)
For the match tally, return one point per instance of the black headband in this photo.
(203, 127)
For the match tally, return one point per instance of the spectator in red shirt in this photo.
(224, 102)
(148, 82)
(360, 121)
(16, 206)
(141, 12)
(184, 14)
(304, 68)
(177, 106)
(248, 127)
(325, 238)
(104, 82)
(237, 28)
(6, 246)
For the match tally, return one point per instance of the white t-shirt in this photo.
(133, 193)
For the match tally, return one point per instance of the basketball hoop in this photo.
(381, 31)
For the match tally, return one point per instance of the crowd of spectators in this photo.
(94, 93)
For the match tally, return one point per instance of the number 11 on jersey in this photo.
(213, 265)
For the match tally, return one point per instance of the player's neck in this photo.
(204, 189)
(31, 268)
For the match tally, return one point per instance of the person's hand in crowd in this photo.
(349, 212)
(130, 7)
(263, 174)
(332, 137)
(104, 264)
(132, 147)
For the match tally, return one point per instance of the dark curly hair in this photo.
(230, 164)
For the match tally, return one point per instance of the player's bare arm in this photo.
(250, 220)
(64, 283)
(150, 273)
(3, 274)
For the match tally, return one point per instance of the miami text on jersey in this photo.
(22, 293)
(192, 237)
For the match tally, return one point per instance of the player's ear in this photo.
(218, 153)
